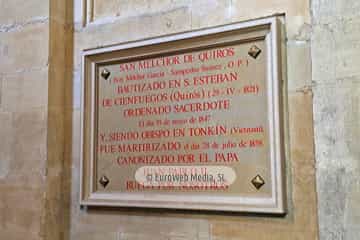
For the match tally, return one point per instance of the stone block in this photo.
(78, 11)
(206, 13)
(299, 65)
(178, 227)
(153, 223)
(97, 236)
(300, 120)
(352, 213)
(347, 35)
(72, 162)
(332, 187)
(25, 49)
(73, 132)
(58, 44)
(337, 126)
(352, 233)
(25, 90)
(301, 159)
(323, 47)
(336, 52)
(18, 11)
(30, 148)
(15, 234)
(61, 11)
(20, 209)
(334, 232)
(297, 12)
(140, 236)
(25, 219)
(56, 90)
(6, 143)
(76, 90)
(124, 8)
(1, 79)
(326, 11)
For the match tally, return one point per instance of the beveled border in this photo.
(275, 205)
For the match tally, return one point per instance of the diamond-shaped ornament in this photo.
(104, 181)
(105, 73)
(258, 182)
(254, 51)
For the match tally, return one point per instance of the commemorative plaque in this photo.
(187, 121)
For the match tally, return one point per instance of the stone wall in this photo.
(336, 84)
(24, 37)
